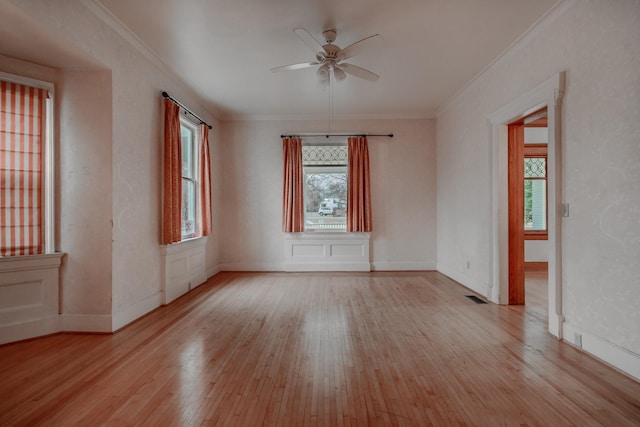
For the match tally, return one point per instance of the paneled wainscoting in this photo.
(183, 268)
(29, 296)
(325, 251)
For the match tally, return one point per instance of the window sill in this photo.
(30, 262)
(334, 234)
(536, 235)
(184, 245)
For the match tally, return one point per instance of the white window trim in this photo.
(325, 169)
(49, 157)
(196, 166)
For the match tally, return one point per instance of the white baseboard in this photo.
(87, 323)
(618, 357)
(402, 266)
(136, 310)
(379, 266)
(464, 279)
(251, 266)
(334, 266)
(29, 329)
(212, 271)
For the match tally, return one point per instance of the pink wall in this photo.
(403, 187)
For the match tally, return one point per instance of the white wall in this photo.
(402, 185)
(84, 198)
(132, 191)
(596, 43)
(536, 250)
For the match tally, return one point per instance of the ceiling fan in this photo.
(330, 57)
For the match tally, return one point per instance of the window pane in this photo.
(325, 199)
(535, 167)
(535, 204)
(325, 155)
(188, 208)
(189, 211)
(187, 152)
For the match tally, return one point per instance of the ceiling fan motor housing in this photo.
(329, 35)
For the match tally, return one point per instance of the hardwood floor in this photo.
(316, 349)
(537, 295)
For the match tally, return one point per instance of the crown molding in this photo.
(132, 38)
(123, 31)
(323, 117)
(536, 29)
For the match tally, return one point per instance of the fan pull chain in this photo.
(331, 100)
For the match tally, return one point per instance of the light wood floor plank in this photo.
(318, 349)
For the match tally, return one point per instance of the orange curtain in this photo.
(293, 196)
(22, 139)
(205, 179)
(359, 189)
(171, 224)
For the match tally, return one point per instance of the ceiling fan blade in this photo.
(309, 40)
(294, 66)
(355, 71)
(359, 46)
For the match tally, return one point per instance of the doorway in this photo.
(548, 94)
(528, 202)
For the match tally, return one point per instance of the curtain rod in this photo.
(166, 95)
(388, 135)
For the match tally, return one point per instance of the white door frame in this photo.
(549, 93)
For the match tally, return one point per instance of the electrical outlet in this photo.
(468, 265)
(565, 210)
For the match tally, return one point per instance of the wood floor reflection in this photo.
(317, 349)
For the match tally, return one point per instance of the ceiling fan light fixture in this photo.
(323, 73)
(339, 74)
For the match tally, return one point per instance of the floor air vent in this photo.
(476, 299)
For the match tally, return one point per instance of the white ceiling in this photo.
(225, 48)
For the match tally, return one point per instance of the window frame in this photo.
(329, 169)
(195, 178)
(539, 150)
(48, 162)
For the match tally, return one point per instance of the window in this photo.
(325, 185)
(189, 210)
(535, 189)
(26, 166)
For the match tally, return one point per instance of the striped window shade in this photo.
(22, 133)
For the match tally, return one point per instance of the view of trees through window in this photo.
(325, 185)
(325, 199)
(326, 190)
(535, 194)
